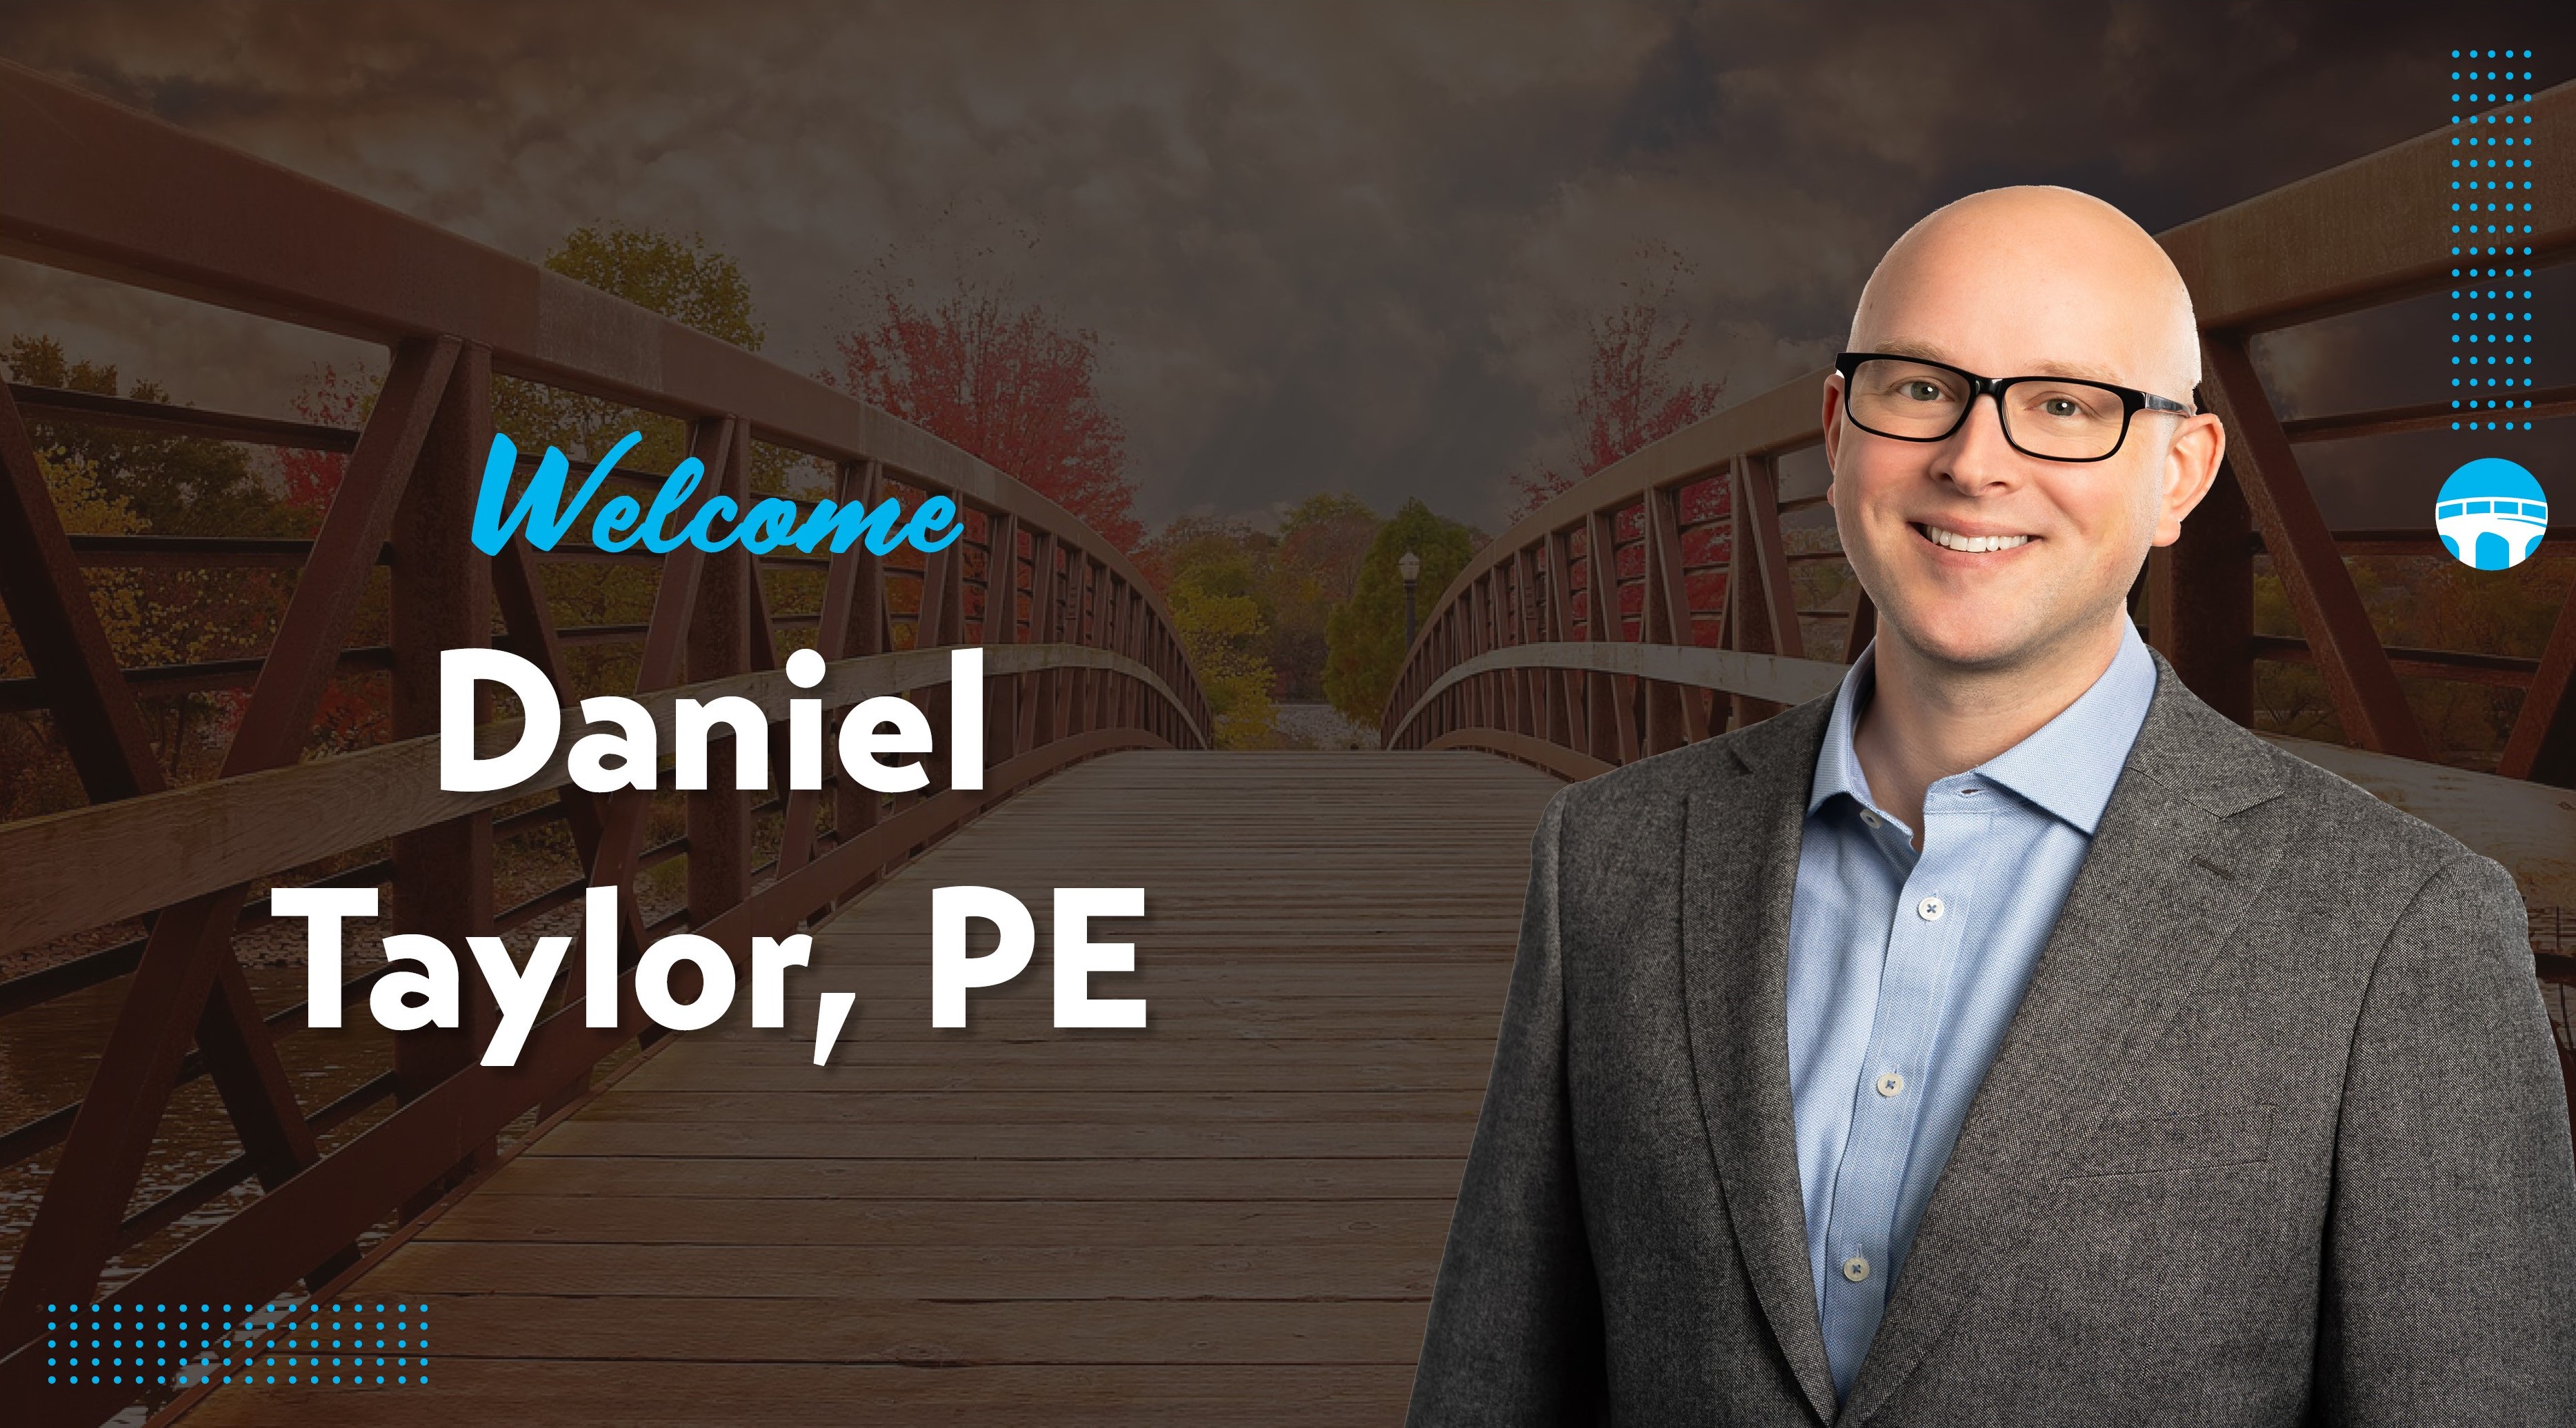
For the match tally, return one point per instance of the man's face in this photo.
(2009, 296)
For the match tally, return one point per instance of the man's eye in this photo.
(1922, 391)
(2061, 407)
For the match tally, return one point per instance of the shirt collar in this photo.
(2068, 767)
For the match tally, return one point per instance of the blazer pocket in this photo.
(2191, 1140)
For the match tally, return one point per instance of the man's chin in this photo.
(1972, 646)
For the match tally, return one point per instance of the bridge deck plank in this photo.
(1232, 1216)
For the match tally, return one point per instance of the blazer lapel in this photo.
(1739, 876)
(2183, 847)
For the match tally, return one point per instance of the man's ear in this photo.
(1833, 430)
(2190, 466)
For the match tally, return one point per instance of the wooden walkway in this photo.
(1233, 1216)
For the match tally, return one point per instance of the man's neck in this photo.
(1927, 720)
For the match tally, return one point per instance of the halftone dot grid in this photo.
(352, 1344)
(2492, 204)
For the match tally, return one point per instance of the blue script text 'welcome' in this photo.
(622, 521)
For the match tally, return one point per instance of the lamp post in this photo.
(1409, 566)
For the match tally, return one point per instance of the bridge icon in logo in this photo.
(2491, 514)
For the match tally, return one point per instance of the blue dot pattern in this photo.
(194, 1345)
(2491, 240)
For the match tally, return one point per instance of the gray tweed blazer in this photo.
(2277, 1137)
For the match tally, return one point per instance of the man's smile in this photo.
(1967, 544)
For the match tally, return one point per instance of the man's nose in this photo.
(1978, 457)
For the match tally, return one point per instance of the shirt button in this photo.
(1890, 1083)
(1929, 909)
(1869, 818)
(1855, 1269)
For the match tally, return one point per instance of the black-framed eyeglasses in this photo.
(2052, 418)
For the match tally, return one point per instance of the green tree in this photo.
(1294, 577)
(1322, 540)
(1224, 635)
(1365, 635)
(1216, 575)
(180, 485)
(679, 277)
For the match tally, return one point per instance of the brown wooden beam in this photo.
(1669, 597)
(2359, 681)
(2545, 403)
(94, 713)
(719, 643)
(170, 419)
(1613, 711)
(442, 600)
(1566, 723)
(2542, 746)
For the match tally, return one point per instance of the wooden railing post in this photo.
(1046, 626)
(865, 630)
(1131, 694)
(1567, 723)
(1614, 727)
(1529, 693)
(719, 643)
(1113, 637)
(941, 622)
(1669, 593)
(1001, 627)
(442, 600)
(1479, 627)
(1762, 611)
(1085, 620)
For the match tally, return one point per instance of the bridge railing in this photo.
(158, 879)
(1657, 601)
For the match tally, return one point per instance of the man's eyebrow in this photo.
(2087, 371)
(1925, 350)
(1932, 352)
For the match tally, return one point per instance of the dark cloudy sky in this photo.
(1329, 245)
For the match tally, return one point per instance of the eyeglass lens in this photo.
(2064, 419)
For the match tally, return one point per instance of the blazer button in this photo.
(1929, 909)
(1855, 1269)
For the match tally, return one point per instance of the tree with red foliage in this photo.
(329, 398)
(1007, 382)
(1634, 391)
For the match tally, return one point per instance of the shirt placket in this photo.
(1923, 939)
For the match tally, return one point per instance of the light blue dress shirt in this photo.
(1905, 968)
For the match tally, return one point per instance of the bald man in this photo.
(2010, 1038)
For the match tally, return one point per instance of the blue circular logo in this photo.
(2491, 514)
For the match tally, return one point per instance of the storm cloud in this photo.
(1328, 246)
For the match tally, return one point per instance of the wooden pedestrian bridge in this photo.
(1230, 1215)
